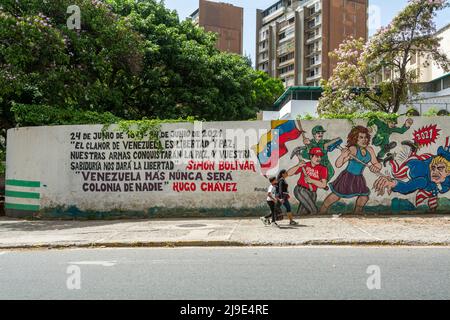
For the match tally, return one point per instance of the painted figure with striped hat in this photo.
(427, 175)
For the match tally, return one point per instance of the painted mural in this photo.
(398, 169)
(227, 168)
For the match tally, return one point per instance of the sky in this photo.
(381, 13)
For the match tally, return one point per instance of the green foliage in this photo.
(412, 112)
(36, 115)
(432, 112)
(267, 90)
(147, 128)
(307, 117)
(369, 116)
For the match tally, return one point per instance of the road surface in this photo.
(227, 273)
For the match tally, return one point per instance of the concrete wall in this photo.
(295, 108)
(63, 171)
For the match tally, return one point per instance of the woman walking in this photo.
(283, 189)
(351, 182)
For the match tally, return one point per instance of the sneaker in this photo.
(411, 145)
(293, 223)
(263, 220)
(274, 224)
(390, 146)
(389, 157)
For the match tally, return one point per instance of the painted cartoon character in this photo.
(384, 132)
(319, 142)
(313, 175)
(429, 177)
(351, 182)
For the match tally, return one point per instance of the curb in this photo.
(181, 244)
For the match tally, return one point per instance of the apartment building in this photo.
(224, 19)
(433, 81)
(294, 37)
(428, 71)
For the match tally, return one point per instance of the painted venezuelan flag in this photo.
(272, 145)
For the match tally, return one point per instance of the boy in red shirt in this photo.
(313, 176)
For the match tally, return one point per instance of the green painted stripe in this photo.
(23, 183)
(26, 207)
(20, 194)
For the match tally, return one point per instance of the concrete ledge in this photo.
(311, 243)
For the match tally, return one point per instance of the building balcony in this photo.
(262, 60)
(285, 25)
(286, 63)
(287, 73)
(289, 37)
(262, 50)
(313, 39)
(313, 27)
(286, 48)
(314, 52)
(313, 15)
(314, 78)
(315, 65)
(288, 28)
(273, 15)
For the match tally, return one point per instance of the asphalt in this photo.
(226, 273)
(364, 230)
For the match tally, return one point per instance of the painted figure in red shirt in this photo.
(313, 176)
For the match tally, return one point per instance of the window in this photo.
(264, 66)
(264, 35)
(287, 69)
(286, 47)
(316, 95)
(287, 33)
(285, 58)
(446, 83)
(314, 72)
(313, 34)
(314, 60)
(272, 9)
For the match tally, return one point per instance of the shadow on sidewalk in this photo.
(376, 216)
(289, 227)
(7, 225)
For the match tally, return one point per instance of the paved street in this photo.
(226, 273)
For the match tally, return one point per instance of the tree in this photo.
(267, 90)
(391, 49)
(131, 59)
(186, 75)
(44, 63)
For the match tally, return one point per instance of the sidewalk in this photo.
(405, 230)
